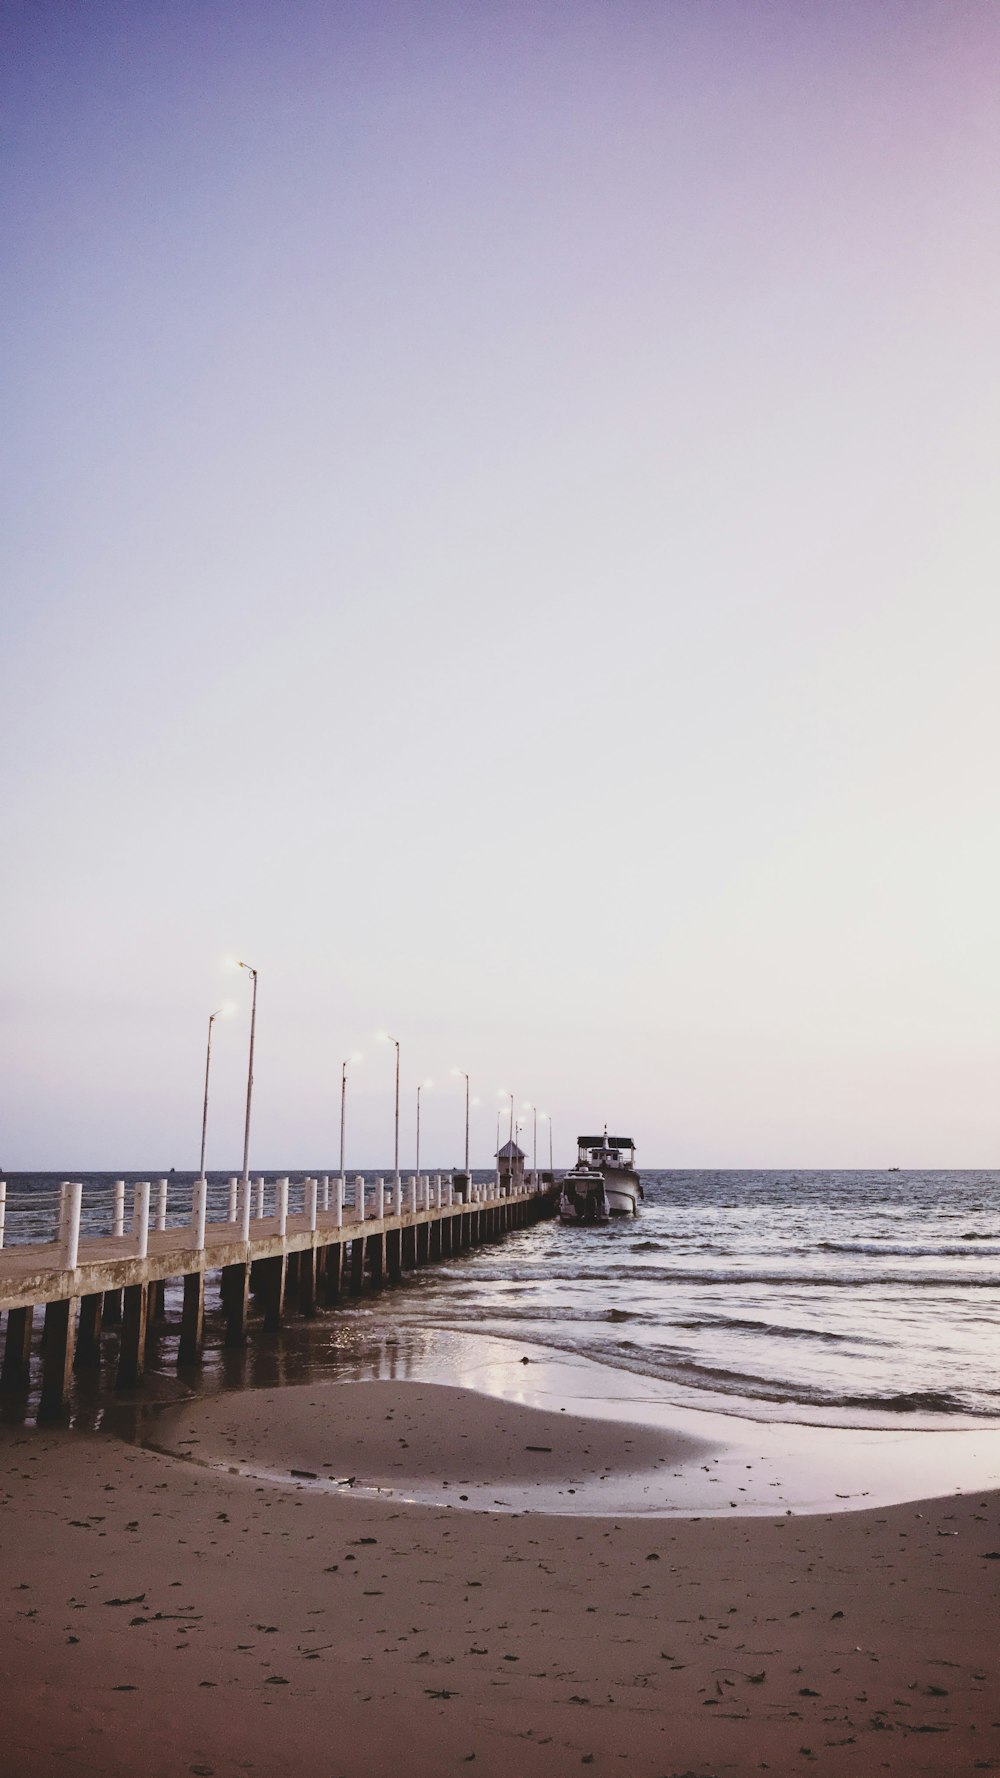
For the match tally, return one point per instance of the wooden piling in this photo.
(15, 1372)
(357, 1265)
(88, 1334)
(132, 1351)
(192, 1320)
(307, 1282)
(332, 1272)
(423, 1243)
(274, 1275)
(235, 1287)
(394, 1255)
(112, 1308)
(376, 1261)
(58, 1341)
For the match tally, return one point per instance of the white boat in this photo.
(613, 1157)
(583, 1198)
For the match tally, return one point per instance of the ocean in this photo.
(827, 1298)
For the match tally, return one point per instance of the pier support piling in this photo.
(357, 1265)
(394, 1255)
(88, 1336)
(192, 1319)
(236, 1302)
(16, 1369)
(273, 1278)
(332, 1272)
(132, 1352)
(307, 1282)
(58, 1340)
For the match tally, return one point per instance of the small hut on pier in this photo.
(510, 1165)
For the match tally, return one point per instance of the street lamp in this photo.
(499, 1109)
(504, 1094)
(385, 1037)
(546, 1119)
(420, 1088)
(253, 1027)
(355, 1056)
(221, 1012)
(534, 1145)
(461, 1072)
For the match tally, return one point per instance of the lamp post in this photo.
(204, 1109)
(355, 1056)
(504, 1094)
(420, 1088)
(519, 1126)
(528, 1106)
(464, 1076)
(547, 1120)
(387, 1038)
(498, 1147)
(253, 1028)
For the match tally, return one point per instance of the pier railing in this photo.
(57, 1217)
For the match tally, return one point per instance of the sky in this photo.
(499, 528)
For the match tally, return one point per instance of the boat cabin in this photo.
(605, 1151)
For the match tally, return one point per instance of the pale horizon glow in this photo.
(499, 523)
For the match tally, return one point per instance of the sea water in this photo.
(838, 1298)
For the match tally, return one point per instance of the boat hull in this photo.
(582, 1217)
(623, 1193)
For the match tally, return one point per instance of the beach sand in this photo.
(164, 1615)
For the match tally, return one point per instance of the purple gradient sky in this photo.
(436, 429)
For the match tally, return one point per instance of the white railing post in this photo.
(3, 1207)
(246, 1202)
(140, 1219)
(311, 1193)
(118, 1222)
(413, 1193)
(161, 1203)
(282, 1206)
(325, 1183)
(451, 1192)
(60, 1230)
(260, 1198)
(231, 1208)
(379, 1199)
(359, 1198)
(74, 1202)
(199, 1207)
(338, 1203)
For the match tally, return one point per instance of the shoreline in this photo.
(173, 1616)
(757, 1464)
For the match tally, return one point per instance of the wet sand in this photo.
(165, 1613)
